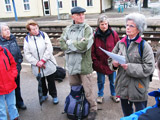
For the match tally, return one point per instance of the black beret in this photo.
(77, 10)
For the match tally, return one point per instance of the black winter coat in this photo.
(13, 47)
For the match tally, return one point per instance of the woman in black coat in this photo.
(7, 40)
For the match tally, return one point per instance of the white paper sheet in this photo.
(119, 58)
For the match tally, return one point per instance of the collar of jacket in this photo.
(77, 26)
(40, 32)
(102, 35)
(3, 39)
(124, 40)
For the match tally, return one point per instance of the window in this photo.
(74, 3)
(8, 5)
(89, 3)
(60, 4)
(26, 5)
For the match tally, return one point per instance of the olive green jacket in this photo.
(77, 40)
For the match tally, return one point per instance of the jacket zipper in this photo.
(38, 53)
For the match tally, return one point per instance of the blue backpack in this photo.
(76, 105)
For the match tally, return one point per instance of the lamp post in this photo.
(15, 13)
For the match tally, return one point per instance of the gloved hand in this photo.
(39, 64)
(69, 42)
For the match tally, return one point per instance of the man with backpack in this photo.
(77, 40)
(133, 77)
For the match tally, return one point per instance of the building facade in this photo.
(34, 8)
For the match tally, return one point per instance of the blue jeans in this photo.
(127, 106)
(101, 82)
(11, 104)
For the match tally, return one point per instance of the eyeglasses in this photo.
(130, 26)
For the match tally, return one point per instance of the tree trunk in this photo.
(145, 3)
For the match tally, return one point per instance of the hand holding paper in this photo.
(118, 58)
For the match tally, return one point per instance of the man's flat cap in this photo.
(77, 10)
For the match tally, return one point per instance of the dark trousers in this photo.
(127, 106)
(19, 100)
(51, 85)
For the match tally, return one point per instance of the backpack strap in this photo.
(27, 37)
(5, 52)
(113, 34)
(40, 33)
(141, 47)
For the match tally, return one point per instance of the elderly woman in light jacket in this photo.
(38, 51)
(133, 77)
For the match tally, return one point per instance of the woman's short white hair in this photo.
(139, 20)
(102, 18)
(1, 26)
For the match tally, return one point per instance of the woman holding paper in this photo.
(132, 81)
(105, 38)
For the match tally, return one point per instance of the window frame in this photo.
(89, 3)
(74, 2)
(26, 3)
(8, 4)
(60, 1)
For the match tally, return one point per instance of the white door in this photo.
(46, 7)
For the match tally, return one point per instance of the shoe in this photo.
(55, 100)
(44, 98)
(17, 118)
(92, 115)
(22, 107)
(100, 100)
(115, 99)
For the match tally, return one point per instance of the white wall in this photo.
(67, 6)
(36, 8)
(106, 4)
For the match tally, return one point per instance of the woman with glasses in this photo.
(133, 77)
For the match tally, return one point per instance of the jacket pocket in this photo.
(140, 90)
(140, 86)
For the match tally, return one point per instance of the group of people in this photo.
(129, 82)
(133, 77)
